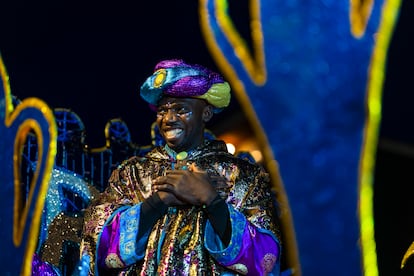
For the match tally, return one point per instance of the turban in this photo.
(175, 78)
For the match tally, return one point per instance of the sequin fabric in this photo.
(176, 242)
(41, 268)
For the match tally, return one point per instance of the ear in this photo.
(208, 113)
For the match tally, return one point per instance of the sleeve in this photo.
(219, 217)
(254, 247)
(252, 250)
(118, 244)
(105, 222)
(123, 239)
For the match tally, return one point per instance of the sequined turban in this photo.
(176, 78)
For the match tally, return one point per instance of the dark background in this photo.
(92, 56)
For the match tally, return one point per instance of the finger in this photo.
(164, 178)
(166, 187)
(193, 168)
(159, 179)
(175, 176)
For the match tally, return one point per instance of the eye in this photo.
(161, 112)
(182, 110)
(178, 110)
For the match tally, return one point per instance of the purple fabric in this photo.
(256, 244)
(168, 63)
(176, 78)
(40, 268)
(191, 85)
(109, 241)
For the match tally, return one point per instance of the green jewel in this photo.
(182, 155)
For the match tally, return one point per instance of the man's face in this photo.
(181, 122)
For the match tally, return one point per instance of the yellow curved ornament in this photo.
(369, 147)
(359, 14)
(256, 69)
(408, 254)
(29, 115)
(255, 65)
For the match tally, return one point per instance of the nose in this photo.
(171, 115)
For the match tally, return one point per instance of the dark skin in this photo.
(181, 122)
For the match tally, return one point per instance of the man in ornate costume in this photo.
(188, 207)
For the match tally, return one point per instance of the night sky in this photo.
(92, 57)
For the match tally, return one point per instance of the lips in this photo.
(173, 133)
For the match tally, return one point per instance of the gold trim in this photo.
(370, 140)
(255, 66)
(271, 164)
(359, 14)
(159, 78)
(20, 212)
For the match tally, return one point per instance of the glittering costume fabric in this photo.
(183, 241)
(42, 268)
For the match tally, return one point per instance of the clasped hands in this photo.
(185, 187)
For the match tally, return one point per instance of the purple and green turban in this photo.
(175, 78)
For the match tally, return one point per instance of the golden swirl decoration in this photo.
(30, 116)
